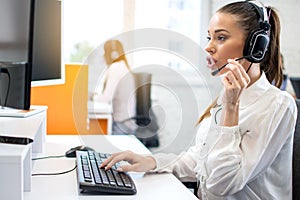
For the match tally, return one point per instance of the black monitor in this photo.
(30, 32)
(16, 24)
(47, 66)
(15, 85)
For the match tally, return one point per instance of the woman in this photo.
(244, 142)
(118, 88)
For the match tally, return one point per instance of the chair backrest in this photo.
(296, 156)
(296, 85)
(143, 97)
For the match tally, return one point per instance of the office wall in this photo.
(67, 104)
(290, 31)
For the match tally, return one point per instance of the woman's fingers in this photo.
(240, 75)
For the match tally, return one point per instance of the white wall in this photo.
(290, 30)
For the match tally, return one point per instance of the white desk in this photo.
(15, 159)
(64, 187)
(98, 110)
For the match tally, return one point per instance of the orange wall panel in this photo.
(67, 104)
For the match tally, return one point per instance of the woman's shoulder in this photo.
(283, 98)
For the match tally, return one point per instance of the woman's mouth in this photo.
(211, 62)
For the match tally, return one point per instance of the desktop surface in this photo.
(65, 187)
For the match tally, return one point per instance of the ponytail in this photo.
(272, 64)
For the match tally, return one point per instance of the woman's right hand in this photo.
(138, 163)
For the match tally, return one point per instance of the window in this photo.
(87, 24)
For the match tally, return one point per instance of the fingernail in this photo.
(120, 169)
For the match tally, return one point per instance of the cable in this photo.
(54, 174)
(46, 157)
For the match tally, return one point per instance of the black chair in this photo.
(296, 85)
(296, 156)
(145, 118)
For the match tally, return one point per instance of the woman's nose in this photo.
(209, 48)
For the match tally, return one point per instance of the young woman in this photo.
(244, 142)
(118, 88)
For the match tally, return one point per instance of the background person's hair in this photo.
(114, 52)
(247, 18)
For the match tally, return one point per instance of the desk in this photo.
(64, 187)
(99, 110)
(15, 160)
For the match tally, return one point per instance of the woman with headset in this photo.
(244, 141)
(118, 88)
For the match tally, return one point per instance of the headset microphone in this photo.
(213, 73)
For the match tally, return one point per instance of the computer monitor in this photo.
(15, 85)
(16, 23)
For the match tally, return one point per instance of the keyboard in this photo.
(93, 179)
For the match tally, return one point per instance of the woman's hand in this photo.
(235, 81)
(138, 163)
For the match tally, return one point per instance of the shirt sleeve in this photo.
(182, 165)
(238, 157)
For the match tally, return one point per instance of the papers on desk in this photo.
(11, 112)
(99, 107)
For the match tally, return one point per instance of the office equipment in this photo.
(296, 156)
(92, 179)
(15, 30)
(30, 32)
(71, 153)
(47, 65)
(15, 85)
(149, 186)
(296, 85)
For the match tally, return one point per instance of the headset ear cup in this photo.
(256, 46)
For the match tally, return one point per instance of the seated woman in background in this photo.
(244, 141)
(118, 88)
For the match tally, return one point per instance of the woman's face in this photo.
(226, 40)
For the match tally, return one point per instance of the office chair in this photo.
(296, 85)
(145, 118)
(296, 156)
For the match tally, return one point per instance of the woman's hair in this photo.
(114, 52)
(247, 18)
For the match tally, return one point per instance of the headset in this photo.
(257, 42)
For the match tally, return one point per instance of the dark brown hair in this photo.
(247, 18)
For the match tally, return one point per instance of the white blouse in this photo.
(252, 160)
(119, 90)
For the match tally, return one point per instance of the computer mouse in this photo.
(71, 153)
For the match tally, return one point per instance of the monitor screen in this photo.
(47, 66)
(14, 30)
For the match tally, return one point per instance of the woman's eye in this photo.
(208, 38)
(221, 38)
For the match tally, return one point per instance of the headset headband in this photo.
(262, 12)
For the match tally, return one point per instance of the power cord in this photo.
(52, 174)
(47, 157)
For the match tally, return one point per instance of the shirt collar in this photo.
(256, 90)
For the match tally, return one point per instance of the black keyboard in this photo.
(93, 179)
